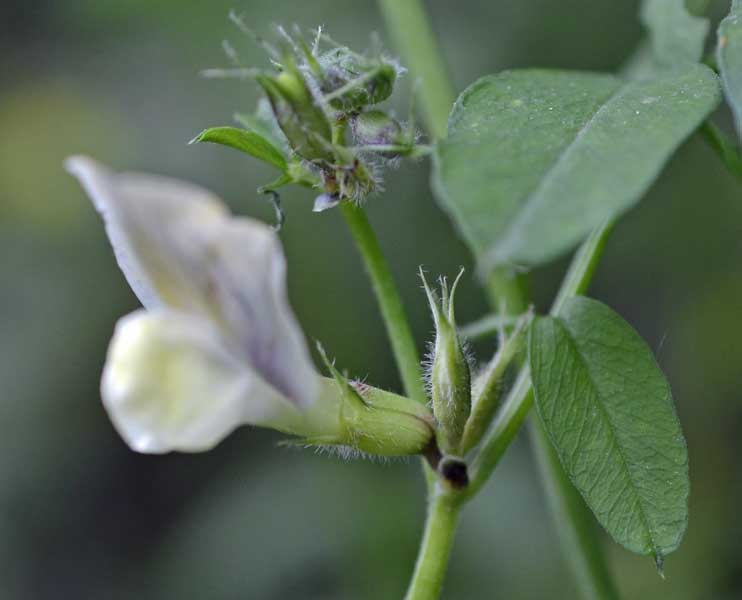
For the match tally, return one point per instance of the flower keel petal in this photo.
(169, 385)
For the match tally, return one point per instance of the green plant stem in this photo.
(487, 326)
(581, 270)
(573, 520)
(507, 291)
(392, 310)
(520, 398)
(509, 419)
(574, 525)
(698, 8)
(410, 27)
(727, 149)
(440, 529)
(488, 399)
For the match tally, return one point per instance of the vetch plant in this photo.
(529, 164)
(217, 345)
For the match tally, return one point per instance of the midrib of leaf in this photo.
(529, 203)
(614, 437)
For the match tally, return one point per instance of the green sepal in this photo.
(377, 422)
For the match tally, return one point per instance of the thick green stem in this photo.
(413, 36)
(392, 311)
(435, 549)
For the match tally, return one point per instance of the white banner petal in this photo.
(178, 247)
(156, 225)
(169, 384)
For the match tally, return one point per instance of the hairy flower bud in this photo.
(299, 115)
(450, 377)
(376, 128)
(352, 82)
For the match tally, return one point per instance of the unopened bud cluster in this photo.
(323, 104)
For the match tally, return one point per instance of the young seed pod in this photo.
(450, 377)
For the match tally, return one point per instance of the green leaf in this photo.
(729, 60)
(675, 35)
(534, 159)
(249, 142)
(608, 411)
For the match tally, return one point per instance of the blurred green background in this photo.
(81, 516)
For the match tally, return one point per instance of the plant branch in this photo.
(413, 36)
(411, 29)
(488, 326)
(573, 520)
(520, 398)
(574, 525)
(488, 398)
(392, 310)
(508, 291)
(435, 549)
(728, 151)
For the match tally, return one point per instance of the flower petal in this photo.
(168, 384)
(249, 287)
(178, 247)
(155, 225)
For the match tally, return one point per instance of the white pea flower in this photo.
(217, 345)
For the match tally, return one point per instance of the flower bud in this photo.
(353, 180)
(353, 82)
(450, 377)
(298, 114)
(376, 128)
